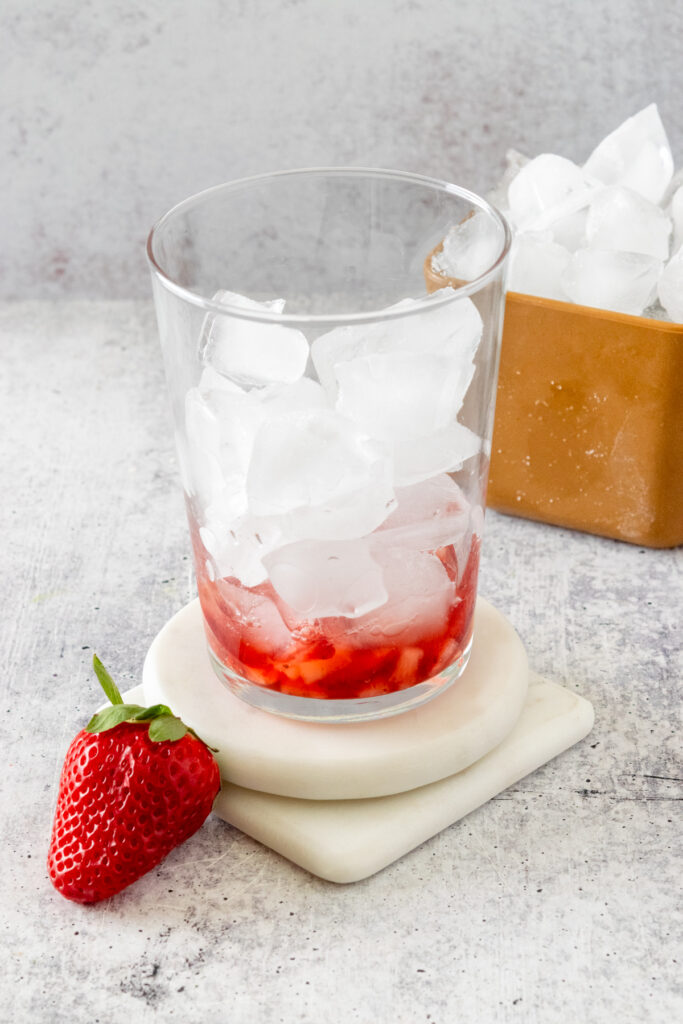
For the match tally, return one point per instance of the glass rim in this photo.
(371, 316)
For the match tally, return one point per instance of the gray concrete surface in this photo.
(555, 902)
(112, 110)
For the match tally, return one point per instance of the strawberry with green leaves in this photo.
(136, 783)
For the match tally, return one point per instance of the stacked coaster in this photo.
(343, 801)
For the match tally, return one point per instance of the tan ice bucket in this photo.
(589, 420)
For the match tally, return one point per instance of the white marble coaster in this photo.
(347, 840)
(325, 761)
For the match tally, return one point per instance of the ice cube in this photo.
(622, 219)
(469, 249)
(236, 418)
(251, 352)
(570, 231)
(445, 451)
(451, 328)
(299, 396)
(677, 217)
(420, 595)
(433, 516)
(636, 154)
(254, 618)
(239, 417)
(409, 400)
(673, 187)
(238, 548)
(404, 381)
(514, 161)
(670, 287)
(210, 381)
(537, 264)
(548, 189)
(221, 426)
(222, 422)
(200, 460)
(428, 515)
(621, 281)
(402, 395)
(323, 578)
(320, 473)
(227, 507)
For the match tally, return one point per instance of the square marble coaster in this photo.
(347, 840)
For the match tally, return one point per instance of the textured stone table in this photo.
(555, 902)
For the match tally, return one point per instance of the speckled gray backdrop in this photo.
(111, 111)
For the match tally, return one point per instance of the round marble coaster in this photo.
(318, 761)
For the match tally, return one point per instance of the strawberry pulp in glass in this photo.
(253, 634)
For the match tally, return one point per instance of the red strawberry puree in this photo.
(256, 637)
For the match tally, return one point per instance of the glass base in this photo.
(312, 709)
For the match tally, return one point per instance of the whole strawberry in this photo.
(136, 783)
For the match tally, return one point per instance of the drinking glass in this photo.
(333, 425)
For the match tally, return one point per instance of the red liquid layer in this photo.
(335, 658)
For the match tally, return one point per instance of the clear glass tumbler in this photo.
(333, 425)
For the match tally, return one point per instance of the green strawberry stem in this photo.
(106, 682)
(164, 726)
